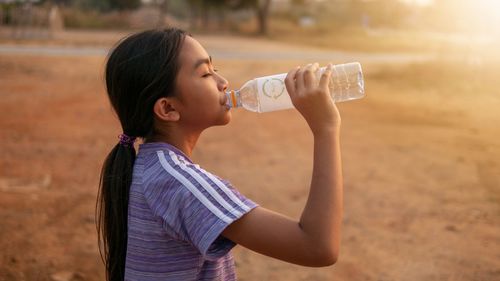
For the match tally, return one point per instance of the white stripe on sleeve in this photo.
(218, 182)
(228, 192)
(171, 170)
(209, 188)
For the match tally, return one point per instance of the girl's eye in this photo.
(210, 73)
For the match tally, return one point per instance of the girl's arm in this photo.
(314, 240)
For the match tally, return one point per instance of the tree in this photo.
(99, 5)
(162, 8)
(261, 8)
(124, 4)
(202, 8)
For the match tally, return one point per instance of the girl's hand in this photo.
(313, 99)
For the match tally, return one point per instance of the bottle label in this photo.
(272, 93)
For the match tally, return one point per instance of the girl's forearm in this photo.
(315, 239)
(322, 215)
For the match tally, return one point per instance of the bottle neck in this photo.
(233, 98)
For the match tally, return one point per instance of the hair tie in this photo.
(126, 141)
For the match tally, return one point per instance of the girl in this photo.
(162, 217)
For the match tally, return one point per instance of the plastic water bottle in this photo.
(269, 93)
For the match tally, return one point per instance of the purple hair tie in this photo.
(126, 140)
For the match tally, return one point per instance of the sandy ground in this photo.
(421, 171)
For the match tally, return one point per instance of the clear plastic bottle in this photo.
(269, 93)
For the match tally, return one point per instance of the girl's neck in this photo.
(182, 141)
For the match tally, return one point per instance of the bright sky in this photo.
(419, 2)
(473, 16)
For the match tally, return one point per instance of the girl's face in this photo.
(200, 89)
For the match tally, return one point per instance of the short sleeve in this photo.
(196, 206)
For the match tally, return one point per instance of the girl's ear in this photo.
(165, 109)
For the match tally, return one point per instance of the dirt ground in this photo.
(421, 157)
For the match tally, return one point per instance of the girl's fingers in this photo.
(299, 79)
(309, 75)
(290, 82)
(325, 77)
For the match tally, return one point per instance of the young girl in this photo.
(162, 217)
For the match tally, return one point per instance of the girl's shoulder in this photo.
(164, 165)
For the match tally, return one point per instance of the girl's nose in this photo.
(223, 83)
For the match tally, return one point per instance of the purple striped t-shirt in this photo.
(177, 212)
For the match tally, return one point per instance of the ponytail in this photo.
(141, 69)
(112, 209)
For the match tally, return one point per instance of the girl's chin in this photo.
(226, 118)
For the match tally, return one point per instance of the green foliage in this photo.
(6, 10)
(92, 19)
(101, 5)
(124, 4)
(242, 4)
(178, 8)
(98, 5)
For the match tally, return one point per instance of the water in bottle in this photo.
(269, 93)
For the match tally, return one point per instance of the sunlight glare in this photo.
(483, 16)
(419, 2)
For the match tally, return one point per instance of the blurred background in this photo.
(421, 152)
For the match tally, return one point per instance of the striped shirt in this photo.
(177, 212)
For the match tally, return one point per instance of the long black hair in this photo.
(141, 69)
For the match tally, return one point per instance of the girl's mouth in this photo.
(223, 100)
